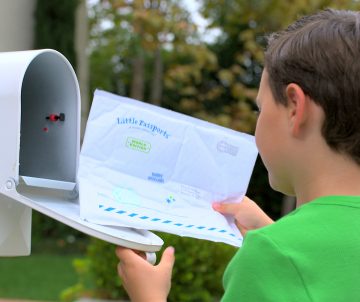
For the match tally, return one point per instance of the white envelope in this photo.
(150, 168)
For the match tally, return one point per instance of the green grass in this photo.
(38, 277)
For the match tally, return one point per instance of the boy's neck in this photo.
(333, 175)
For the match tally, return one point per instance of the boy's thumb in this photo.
(225, 208)
(168, 258)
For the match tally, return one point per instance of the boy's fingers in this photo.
(120, 271)
(168, 258)
(121, 251)
(232, 208)
(126, 254)
(226, 208)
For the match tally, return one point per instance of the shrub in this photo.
(197, 274)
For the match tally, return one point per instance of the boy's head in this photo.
(321, 54)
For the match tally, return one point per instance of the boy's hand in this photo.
(143, 281)
(248, 215)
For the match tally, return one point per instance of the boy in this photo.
(308, 136)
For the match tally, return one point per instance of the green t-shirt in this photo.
(312, 254)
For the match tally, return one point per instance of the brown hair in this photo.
(321, 53)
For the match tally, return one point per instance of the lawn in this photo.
(38, 277)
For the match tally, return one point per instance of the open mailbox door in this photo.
(40, 145)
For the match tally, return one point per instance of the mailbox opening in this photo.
(49, 123)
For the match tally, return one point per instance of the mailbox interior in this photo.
(49, 148)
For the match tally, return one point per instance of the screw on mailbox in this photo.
(56, 117)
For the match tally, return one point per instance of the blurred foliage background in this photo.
(155, 51)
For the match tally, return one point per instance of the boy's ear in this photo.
(297, 108)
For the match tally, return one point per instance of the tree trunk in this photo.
(137, 83)
(157, 79)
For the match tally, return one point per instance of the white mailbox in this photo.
(40, 144)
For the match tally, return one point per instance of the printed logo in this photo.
(156, 177)
(170, 199)
(138, 145)
(225, 147)
(137, 123)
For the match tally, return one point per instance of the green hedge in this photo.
(197, 274)
(55, 26)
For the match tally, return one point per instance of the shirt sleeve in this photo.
(262, 271)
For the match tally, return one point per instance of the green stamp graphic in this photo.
(138, 145)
